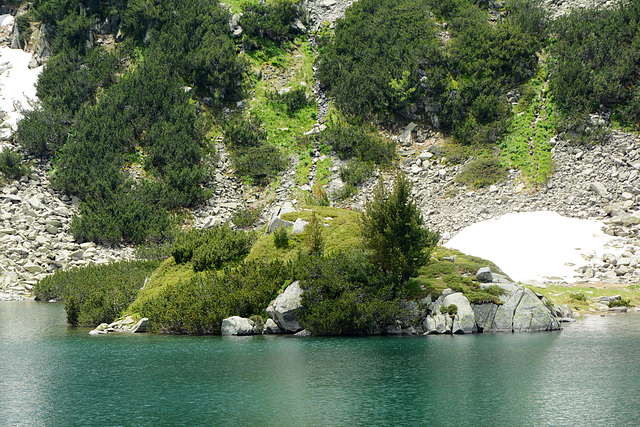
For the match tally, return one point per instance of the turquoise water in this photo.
(51, 374)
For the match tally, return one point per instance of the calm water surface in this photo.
(51, 374)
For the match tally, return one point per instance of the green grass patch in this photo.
(572, 295)
(526, 143)
(440, 274)
(342, 233)
(294, 62)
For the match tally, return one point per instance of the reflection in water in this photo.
(51, 374)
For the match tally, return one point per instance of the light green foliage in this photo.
(342, 234)
(96, 294)
(565, 295)
(526, 143)
(392, 228)
(284, 127)
(440, 273)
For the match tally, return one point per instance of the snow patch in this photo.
(535, 246)
(17, 85)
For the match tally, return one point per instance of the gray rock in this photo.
(464, 322)
(437, 323)
(284, 308)
(532, 315)
(503, 319)
(271, 327)
(484, 314)
(298, 226)
(599, 189)
(237, 325)
(278, 223)
(484, 275)
(141, 326)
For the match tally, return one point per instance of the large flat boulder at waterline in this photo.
(236, 325)
(284, 308)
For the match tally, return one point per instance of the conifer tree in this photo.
(392, 228)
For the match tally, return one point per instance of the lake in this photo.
(52, 374)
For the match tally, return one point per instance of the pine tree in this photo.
(392, 228)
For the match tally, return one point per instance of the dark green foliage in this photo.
(270, 20)
(211, 249)
(70, 80)
(281, 238)
(246, 217)
(620, 303)
(392, 227)
(96, 294)
(22, 23)
(244, 133)
(12, 165)
(481, 172)
(386, 57)
(192, 37)
(598, 60)
(253, 157)
(146, 109)
(41, 131)
(293, 100)
(578, 296)
(346, 294)
(313, 235)
(376, 59)
(451, 310)
(121, 218)
(356, 172)
(353, 141)
(199, 305)
(259, 164)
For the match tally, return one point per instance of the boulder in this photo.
(484, 275)
(484, 314)
(236, 325)
(532, 315)
(464, 322)
(141, 326)
(271, 327)
(437, 323)
(298, 226)
(284, 308)
(503, 319)
(276, 223)
(599, 189)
